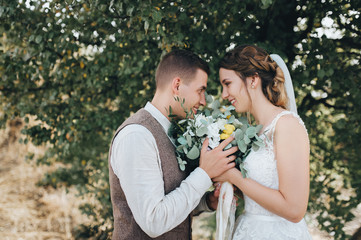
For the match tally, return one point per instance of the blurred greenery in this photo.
(80, 67)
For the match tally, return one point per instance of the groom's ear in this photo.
(176, 82)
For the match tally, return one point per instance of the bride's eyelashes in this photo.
(226, 83)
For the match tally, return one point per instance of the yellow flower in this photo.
(224, 136)
(229, 129)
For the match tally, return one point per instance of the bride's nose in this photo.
(224, 93)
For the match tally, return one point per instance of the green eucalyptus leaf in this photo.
(228, 146)
(216, 113)
(259, 143)
(182, 140)
(216, 104)
(242, 146)
(244, 172)
(259, 128)
(251, 132)
(189, 140)
(243, 120)
(239, 134)
(185, 149)
(231, 119)
(258, 138)
(244, 128)
(207, 112)
(209, 98)
(179, 148)
(193, 153)
(246, 139)
(204, 122)
(255, 147)
(201, 131)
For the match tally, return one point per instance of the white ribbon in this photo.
(225, 215)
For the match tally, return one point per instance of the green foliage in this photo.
(215, 123)
(81, 67)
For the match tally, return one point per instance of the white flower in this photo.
(214, 142)
(221, 122)
(213, 134)
(198, 120)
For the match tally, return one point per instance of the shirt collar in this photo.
(163, 120)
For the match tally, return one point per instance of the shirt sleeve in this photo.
(135, 160)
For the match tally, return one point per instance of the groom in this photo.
(151, 197)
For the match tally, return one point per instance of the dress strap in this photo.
(272, 126)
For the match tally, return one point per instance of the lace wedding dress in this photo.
(257, 223)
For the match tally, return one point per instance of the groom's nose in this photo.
(203, 100)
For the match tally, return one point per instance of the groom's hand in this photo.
(212, 197)
(216, 161)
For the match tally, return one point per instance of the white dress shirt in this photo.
(135, 161)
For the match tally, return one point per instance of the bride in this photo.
(276, 191)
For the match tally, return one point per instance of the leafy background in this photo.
(80, 67)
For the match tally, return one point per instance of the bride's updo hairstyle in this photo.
(247, 61)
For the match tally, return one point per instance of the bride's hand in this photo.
(227, 176)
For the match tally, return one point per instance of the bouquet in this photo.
(217, 123)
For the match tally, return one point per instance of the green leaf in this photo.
(246, 139)
(231, 119)
(259, 143)
(259, 128)
(182, 140)
(185, 149)
(216, 104)
(181, 164)
(243, 170)
(242, 146)
(146, 26)
(193, 153)
(209, 98)
(321, 73)
(239, 134)
(251, 132)
(216, 113)
(38, 39)
(207, 112)
(228, 146)
(189, 140)
(179, 148)
(157, 16)
(204, 122)
(201, 131)
(255, 147)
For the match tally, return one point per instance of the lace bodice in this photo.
(261, 165)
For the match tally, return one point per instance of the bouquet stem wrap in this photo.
(225, 212)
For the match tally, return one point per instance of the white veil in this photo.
(288, 83)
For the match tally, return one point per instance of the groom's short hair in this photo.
(179, 63)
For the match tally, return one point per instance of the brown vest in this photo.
(125, 226)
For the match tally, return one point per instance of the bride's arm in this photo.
(292, 154)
